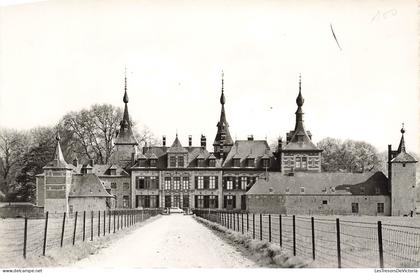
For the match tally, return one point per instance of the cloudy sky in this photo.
(59, 56)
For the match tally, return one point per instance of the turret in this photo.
(223, 141)
(402, 180)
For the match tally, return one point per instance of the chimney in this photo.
(190, 140)
(164, 141)
(279, 144)
(203, 141)
(132, 158)
(75, 162)
(251, 137)
(91, 162)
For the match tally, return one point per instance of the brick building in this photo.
(236, 175)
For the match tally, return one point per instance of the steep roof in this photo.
(223, 125)
(243, 149)
(102, 169)
(58, 161)
(125, 134)
(403, 156)
(87, 185)
(177, 147)
(323, 183)
(300, 139)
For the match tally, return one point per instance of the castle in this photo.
(236, 175)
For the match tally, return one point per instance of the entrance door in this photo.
(177, 201)
(167, 201)
(243, 202)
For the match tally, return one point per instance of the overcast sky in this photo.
(61, 56)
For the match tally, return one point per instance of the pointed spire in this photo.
(125, 135)
(401, 147)
(299, 99)
(125, 98)
(222, 97)
(58, 160)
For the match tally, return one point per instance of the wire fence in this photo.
(330, 242)
(34, 237)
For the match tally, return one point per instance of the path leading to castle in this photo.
(170, 241)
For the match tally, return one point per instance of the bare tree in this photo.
(13, 144)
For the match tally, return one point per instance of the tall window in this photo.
(213, 202)
(302, 189)
(125, 201)
(140, 182)
(185, 183)
(229, 184)
(355, 207)
(177, 182)
(181, 161)
(304, 162)
(265, 162)
(200, 184)
(172, 161)
(200, 201)
(167, 183)
(212, 182)
(380, 208)
(298, 160)
(250, 162)
(126, 186)
(244, 181)
(153, 163)
(153, 185)
(113, 185)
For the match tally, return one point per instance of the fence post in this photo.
(234, 221)
(313, 237)
(269, 228)
(253, 226)
(109, 221)
(237, 217)
(99, 223)
(261, 226)
(114, 221)
(84, 225)
(45, 234)
(242, 223)
(74, 230)
(91, 225)
(294, 236)
(104, 223)
(62, 229)
(338, 243)
(25, 237)
(381, 249)
(280, 231)
(247, 222)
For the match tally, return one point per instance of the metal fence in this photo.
(35, 237)
(330, 242)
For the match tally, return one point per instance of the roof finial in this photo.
(222, 97)
(402, 129)
(125, 98)
(299, 99)
(57, 136)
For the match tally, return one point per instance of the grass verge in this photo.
(67, 255)
(262, 252)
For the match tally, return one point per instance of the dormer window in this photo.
(265, 162)
(142, 162)
(113, 172)
(180, 161)
(212, 162)
(153, 163)
(250, 162)
(236, 162)
(172, 161)
(200, 162)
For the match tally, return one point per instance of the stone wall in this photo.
(317, 204)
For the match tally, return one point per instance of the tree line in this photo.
(86, 135)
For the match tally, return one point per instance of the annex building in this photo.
(231, 175)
